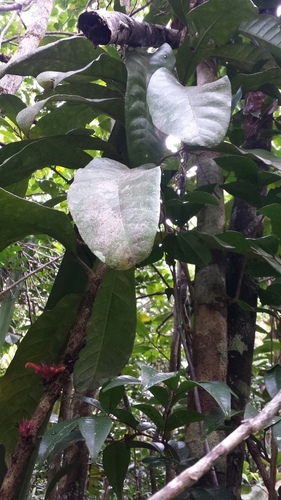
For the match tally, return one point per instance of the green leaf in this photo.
(107, 106)
(273, 380)
(181, 8)
(181, 417)
(150, 377)
(145, 143)
(193, 250)
(221, 393)
(61, 55)
(242, 55)
(10, 106)
(256, 80)
(152, 414)
(111, 397)
(245, 191)
(161, 394)
(272, 211)
(19, 160)
(21, 389)
(210, 25)
(276, 429)
(116, 459)
(95, 431)
(212, 421)
(8, 305)
(122, 380)
(181, 448)
(116, 210)
(54, 435)
(19, 218)
(199, 116)
(126, 417)
(110, 332)
(201, 197)
(264, 30)
(243, 167)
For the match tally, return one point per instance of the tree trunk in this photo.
(36, 30)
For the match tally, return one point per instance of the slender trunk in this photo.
(36, 30)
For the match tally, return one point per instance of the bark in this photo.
(76, 342)
(209, 342)
(240, 285)
(73, 485)
(36, 30)
(103, 27)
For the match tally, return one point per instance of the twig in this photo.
(258, 461)
(238, 288)
(190, 476)
(24, 278)
(7, 27)
(160, 275)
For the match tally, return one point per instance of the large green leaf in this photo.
(19, 159)
(181, 8)
(54, 435)
(255, 80)
(150, 377)
(153, 414)
(10, 106)
(264, 31)
(145, 142)
(21, 389)
(61, 55)
(243, 55)
(199, 116)
(95, 431)
(19, 218)
(210, 25)
(110, 332)
(112, 107)
(116, 210)
(181, 417)
(116, 459)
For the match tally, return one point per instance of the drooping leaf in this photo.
(116, 210)
(61, 55)
(145, 143)
(111, 398)
(8, 305)
(19, 218)
(126, 417)
(152, 413)
(273, 380)
(150, 377)
(111, 106)
(121, 381)
(54, 435)
(21, 389)
(181, 9)
(95, 431)
(264, 30)
(199, 116)
(242, 55)
(212, 421)
(210, 25)
(116, 459)
(181, 417)
(10, 106)
(19, 160)
(110, 332)
(221, 393)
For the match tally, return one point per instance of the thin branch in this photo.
(160, 275)
(140, 8)
(10, 22)
(24, 278)
(242, 271)
(8, 7)
(191, 475)
(259, 462)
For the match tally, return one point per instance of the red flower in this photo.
(27, 428)
(46, 371)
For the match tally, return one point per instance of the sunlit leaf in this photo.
(95, 431)
(116, 210)
(199, 116)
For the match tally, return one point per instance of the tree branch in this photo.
(104, 27)
(191, 475)
(53, 389)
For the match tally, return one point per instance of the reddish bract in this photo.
(27, 428)
(46, 371)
